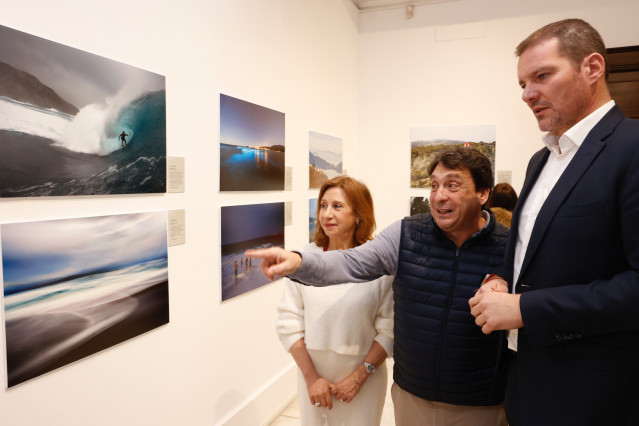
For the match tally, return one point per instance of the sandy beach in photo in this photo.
(44, 342)
(73, 287)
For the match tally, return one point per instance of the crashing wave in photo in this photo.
(92, 126)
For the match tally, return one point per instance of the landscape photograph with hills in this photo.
(425, 142)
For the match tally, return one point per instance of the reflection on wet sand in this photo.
(45, 333)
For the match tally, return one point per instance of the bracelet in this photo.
(355, 381)
(490, 277)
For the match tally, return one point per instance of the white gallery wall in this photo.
(214, 363)
(453, 63)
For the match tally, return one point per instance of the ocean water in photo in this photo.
(250, 169)
(248, 275)
(50, 325)
(45, 152)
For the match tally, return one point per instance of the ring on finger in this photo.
(317, 404)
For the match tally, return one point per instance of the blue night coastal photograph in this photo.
(251, 226)
(251, 146)
(74, 287)
(74, 123)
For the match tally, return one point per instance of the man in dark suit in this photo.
(573, 253)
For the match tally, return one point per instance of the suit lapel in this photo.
(590, 148)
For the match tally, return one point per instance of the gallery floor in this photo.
(291, 414)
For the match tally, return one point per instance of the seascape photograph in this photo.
(246, 227)
(75, 287)
(251, 146)
(75, 123)
(312, 219)
(324, 158)
(425, 142)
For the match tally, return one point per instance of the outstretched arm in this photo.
(276, 261)
(363, 263)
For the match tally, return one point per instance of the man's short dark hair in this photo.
(465, 158)
(577, 39)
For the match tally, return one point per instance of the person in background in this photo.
(446, 372)
(340, 336)
(573, 253)
(502, 201)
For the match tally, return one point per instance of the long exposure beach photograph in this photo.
(74, 287)
(324, 158)
(247, 227)
(425, 142)
(251, 146)
(75, 123)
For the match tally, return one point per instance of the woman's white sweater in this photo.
(342, 318)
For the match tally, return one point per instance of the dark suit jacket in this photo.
(578, 357)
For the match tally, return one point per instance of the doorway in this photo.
(623, 81)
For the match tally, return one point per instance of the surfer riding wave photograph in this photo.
(75, 123)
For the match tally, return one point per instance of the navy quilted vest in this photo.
(440, 353)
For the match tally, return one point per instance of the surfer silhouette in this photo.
(123, 138)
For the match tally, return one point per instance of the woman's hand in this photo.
(346, 389)
(319, 390)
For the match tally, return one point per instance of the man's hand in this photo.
(496, 310)
(276, 261)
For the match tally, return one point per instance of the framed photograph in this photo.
(425, 142)
(312, 219)
(246, 227)
(419, 205)
(74, 287)
(74, 123)
(251, 146)
(324, 158)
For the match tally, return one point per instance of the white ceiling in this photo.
(372, 5)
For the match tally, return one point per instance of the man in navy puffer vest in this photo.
(447, 372)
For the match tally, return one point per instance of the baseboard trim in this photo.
(265, 404)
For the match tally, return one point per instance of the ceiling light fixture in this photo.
(409, 11)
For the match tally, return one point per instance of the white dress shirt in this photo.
(562, 150)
